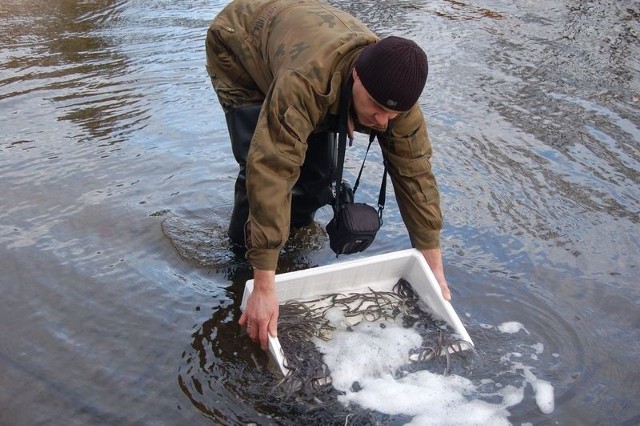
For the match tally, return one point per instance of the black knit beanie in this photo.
(394, 72)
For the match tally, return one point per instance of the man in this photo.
(279, 68)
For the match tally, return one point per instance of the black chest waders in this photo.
(313, 189)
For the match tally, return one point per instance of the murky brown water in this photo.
(112, 138)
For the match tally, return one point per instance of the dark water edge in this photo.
(121, 295)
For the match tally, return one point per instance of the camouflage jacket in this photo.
(298, 53)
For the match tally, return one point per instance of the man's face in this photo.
(370, 113)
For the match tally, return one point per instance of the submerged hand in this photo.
(261, 313)
(434, 259)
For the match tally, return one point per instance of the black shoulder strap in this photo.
(343, 131)
(383, 185)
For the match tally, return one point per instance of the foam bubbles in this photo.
(368, 363)
(544, 391)
(544, 396)
(369, 350)
(334, 315)
(511, 327)
(433, 399)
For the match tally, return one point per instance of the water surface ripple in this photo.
(121, 294)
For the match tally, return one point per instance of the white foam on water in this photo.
(433, 399)
(538, 347)
(543, 390)
(368, 351)
(511, 327)
(373, 357)
(334, 315)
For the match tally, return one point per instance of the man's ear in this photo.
(354, 74)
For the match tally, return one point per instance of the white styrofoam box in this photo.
(379, 272)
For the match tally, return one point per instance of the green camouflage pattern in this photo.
(292, 56)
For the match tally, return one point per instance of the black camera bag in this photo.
(353, 228)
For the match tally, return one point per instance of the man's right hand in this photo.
(261, 313)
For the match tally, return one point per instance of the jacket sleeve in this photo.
(408, 152)
(276, 154)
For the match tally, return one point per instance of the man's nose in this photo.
(382, 118)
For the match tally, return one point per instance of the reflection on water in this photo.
(121, 293)
(65, 60)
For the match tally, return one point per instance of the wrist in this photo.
(433, 257)
(264, 280)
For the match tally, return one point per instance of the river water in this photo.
(120, 294)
